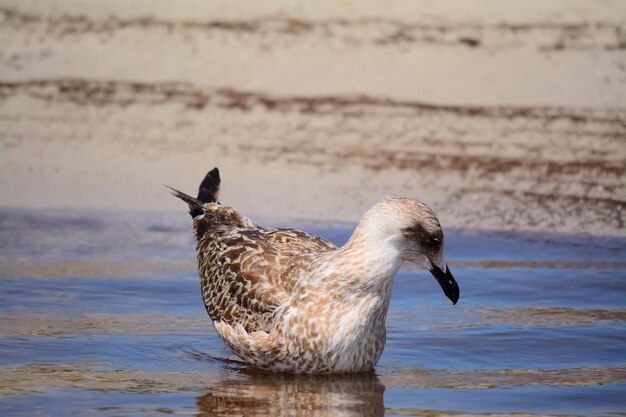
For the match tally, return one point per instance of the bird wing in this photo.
(246, 273)
(298, 242)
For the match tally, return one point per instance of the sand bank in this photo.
(501, 117)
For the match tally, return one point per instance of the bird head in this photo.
(413, 230)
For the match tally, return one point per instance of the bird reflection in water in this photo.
(257, 393)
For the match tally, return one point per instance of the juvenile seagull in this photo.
(284, 300)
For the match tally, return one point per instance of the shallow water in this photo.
(101, 315)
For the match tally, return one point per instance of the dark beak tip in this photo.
(454, 299)
(448, 283)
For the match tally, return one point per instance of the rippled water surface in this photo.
(101, 315)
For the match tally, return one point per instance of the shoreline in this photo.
(124, 244)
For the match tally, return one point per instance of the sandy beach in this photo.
(501, 116)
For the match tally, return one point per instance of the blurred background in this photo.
(501, 115)
(507, 117)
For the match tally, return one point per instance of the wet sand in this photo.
(500, 120)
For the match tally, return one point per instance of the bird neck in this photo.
(364, 265)
(377, 256)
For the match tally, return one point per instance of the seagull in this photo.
(287, 301)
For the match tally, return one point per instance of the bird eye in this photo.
(434, 241)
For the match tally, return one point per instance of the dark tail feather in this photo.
(210, 187)
(195, 205)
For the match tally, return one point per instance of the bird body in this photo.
(284, 300)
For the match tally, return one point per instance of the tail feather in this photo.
(207, 193)
(210, 187)
(206, 205)
(195, 206)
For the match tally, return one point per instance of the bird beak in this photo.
(448, 283)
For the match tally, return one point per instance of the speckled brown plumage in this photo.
(284, 300)
(246, 272)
